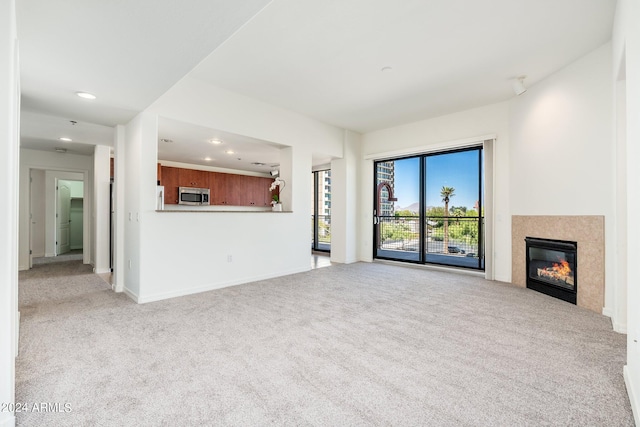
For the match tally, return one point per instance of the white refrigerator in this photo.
(160, 198)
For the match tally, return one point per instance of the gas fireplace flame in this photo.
(559, 271)
(562, 269)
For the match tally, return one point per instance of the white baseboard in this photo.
(632, 390)
(213, 286)
(620, 328)
(131, 295)
(17, 332)
(102, 271)
(7, 420)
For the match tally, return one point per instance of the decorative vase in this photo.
(277, 207)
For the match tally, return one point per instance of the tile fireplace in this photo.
(588, 233)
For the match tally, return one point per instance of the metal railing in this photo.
(460, 238)
(321, 232)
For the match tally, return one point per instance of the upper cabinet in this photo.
(193, 178)
(170, 179)
(225, 189)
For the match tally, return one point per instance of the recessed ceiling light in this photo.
(215, 141)
(65, 139)
(207, 159)
(229, 151)
(61, 150)
(86, 95)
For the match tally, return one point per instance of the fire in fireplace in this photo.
(552, 267)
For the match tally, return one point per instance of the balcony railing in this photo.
(402, 233)
(321, 232)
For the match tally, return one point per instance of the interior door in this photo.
(63, 218)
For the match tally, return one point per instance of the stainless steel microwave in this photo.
(193, 196)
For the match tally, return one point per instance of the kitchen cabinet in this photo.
(218, 188)
(226, 189)
(258, 191)
(193, 178)
(239, 190)
(170, 181)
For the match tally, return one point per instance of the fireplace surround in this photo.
(552, 267)
(589, 233)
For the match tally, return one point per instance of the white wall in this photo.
(137, 185)
(450, 131)
(562, 153)
(561, 148)
(178, 253)
(38, 212)
(9, 152)
(56, 164)
(626, 63)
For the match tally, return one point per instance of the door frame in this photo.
(51, 176)
(484, 168)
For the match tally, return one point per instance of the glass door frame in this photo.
(422, 249)
(315, 244)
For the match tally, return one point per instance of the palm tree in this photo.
(446, 193)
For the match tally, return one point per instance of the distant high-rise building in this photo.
(386, 173)
(324, 193)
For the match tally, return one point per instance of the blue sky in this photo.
(458, 170)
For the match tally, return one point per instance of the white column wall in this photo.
(140, 158)
(101, 192)
(344, 201)
(626, 50)
(9, 164)
(119, 209)
(619, 314)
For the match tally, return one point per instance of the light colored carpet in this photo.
(74, 255)
(360, 344)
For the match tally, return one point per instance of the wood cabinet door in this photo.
(218, 188)
(237, 194)
(169, 179)
(193, 178)
(263, 194)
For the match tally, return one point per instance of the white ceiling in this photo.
(192, 144)
(320, 58)
(324, 58)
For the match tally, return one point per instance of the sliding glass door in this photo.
(428, 209)
(321, 217)
(396, 214)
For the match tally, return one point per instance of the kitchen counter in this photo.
(218, 211)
